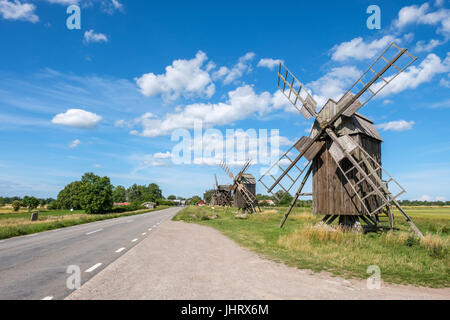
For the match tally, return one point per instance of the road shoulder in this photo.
(189, 261)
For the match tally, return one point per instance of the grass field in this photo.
(401, 256)
(13, 224)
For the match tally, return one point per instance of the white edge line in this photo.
(93, 267)
(145, 233)
(120, 250)
(92, 232)
(134, 240)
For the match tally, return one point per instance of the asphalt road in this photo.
(35, 267)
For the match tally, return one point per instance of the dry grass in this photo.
(435, 245)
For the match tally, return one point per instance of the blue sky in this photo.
(106, 98)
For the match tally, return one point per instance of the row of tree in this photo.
(93, 194)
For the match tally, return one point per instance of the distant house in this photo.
(149, 205)
(201, 203)
(266, 202)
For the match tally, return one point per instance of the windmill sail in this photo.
(296, 92)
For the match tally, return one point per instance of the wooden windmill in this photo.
(343, 151)
(222, 195)
(244, 188)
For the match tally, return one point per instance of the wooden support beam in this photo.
(308, 173)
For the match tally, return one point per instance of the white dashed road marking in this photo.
(134, 240)
(120, 250)
(93, 267)
(144, 233)
(92, 232)
(48, 298)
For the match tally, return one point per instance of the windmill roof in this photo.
(356, 124)
(247, 178)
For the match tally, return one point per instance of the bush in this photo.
(16, 205)
(54, 205)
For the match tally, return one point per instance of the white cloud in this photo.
(92, 36)
(400, 125)
(119, 123)
(422, 15)
(16, 10)
(242, 102)
(77, 118)
(428, 198)
(161, 155)
(416, 75)
(333, 84)
(423, 46)
(269, 63)
(183, 77)
(236, 72)
(74, 144)
(359, 49)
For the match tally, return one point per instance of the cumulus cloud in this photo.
(242, 102)
(161, 155)
(422, 15)
(77, 118)
(269, 63)
(16, 10)
(424, 46)
(74, 144)
(333, 84)
(414, 76)
(359, 49)
(183, 77)
(400, 125)
(229, 75)
(92, 36)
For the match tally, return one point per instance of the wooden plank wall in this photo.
(332, 195)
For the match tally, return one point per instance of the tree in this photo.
(16, 205)
(284, 197)
(135, 193)
(172, 197)
(153, 193)
(2, 202)
(30, 203)
(70, 196)
(208, 195)
(119, 194)
(96, 194)
(42, 202)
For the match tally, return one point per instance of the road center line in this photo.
(93, 267)
(120, 250)
(92, 232)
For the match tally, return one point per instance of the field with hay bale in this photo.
(305, 243)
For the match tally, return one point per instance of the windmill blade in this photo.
(296, 92)
(388, 66)
(365, 178)
(217, 183)
(227, 170)
(305, 147)
(285, 173)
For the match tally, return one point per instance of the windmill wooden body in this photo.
(244, 189)
(343, 151)
(222, 195)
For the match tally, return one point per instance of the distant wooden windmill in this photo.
(222, 196)
(343, 151)
(244, 188)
